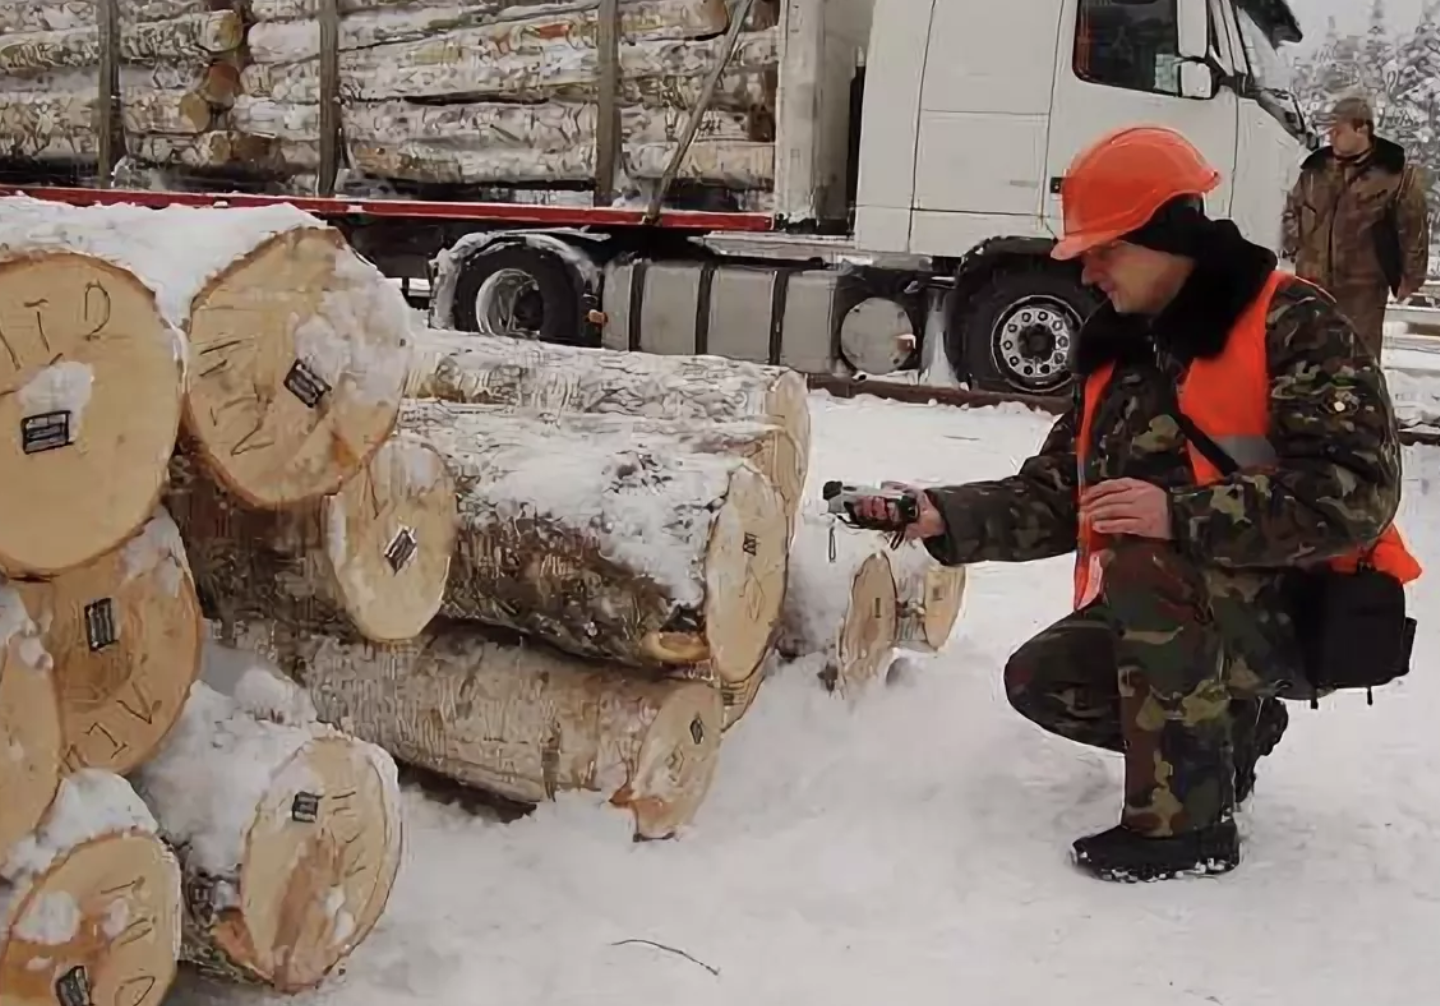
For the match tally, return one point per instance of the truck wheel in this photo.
(519, 291)
(1017, 332)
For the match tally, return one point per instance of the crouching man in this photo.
(1228, 429)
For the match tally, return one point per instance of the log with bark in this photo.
(640, 550)
(930, 598)
(61, 126)
(840, 602)
(523, 721)
(59, 15)
(289, 835)
(485, 32)
(495, 370)
(125, 631)
(30, 738)
(91, 383)
(437, 68)
(90, 902)
(299, 355)
(189, 38)
(375, 556)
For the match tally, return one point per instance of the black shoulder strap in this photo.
(1213, 452)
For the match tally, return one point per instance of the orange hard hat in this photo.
(1115, 186)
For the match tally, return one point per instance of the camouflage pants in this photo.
(1142, 671)
(1364, 305)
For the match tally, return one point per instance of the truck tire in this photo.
(1017, 332)
(521, 291)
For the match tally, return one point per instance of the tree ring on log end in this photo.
(300, 354)
(320, 857)
(868, 633)
(788, 404)
(746, 562)
(30, 736)
(126, 634)
(944, 594)
(91, 383)
(390, 533)
(101, 925)
(676, 763)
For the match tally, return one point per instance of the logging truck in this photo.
(848, 188)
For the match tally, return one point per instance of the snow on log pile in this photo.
(841, 603)
(178, 72)
(289, 833)
(89, 902)
(509, 90)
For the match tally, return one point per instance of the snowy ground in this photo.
(911, 848)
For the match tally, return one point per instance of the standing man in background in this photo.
(1357, 222)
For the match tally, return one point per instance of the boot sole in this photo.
(1207, 869)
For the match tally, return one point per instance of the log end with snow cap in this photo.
(31, 741)
(126, 634)
(390, 533)
(90, 902)
(91, 383)
(290, 838)
(299, 357)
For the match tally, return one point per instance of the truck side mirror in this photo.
(1192, 23)
(1197, 80)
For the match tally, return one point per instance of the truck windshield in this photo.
(1273, 79)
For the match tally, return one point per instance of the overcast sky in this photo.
(1352, 15)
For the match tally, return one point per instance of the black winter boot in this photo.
(1258, 726)
(1126, 856)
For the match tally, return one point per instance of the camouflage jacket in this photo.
(1336, 487)
(1335, 220)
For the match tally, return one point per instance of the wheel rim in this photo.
(509, 303)
(1030, 343)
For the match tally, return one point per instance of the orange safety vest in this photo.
(1227, 396)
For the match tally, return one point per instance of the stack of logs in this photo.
(530, 568)
(433, 92)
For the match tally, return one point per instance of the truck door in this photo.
(1122, 63)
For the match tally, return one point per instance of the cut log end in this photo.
(930, 603)
(101, 925)
(788, 405)
(319, 862)
(738, 697)
(91, 382)
(745, 568)
(30, 736)
(390, 534)
(125, 633)
(676, 762)
(301, 355)
(868, 632)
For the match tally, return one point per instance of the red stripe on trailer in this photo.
(550, 216)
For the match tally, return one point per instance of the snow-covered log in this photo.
(90, 902)
(479, 126)
(187, 38)
(373, 557)
(300, 354)
(765, 445)
(487, 33)
(18, 16)
(524, 721)
(30, 737)
(436, 68)
(639, 550)
(125, 632)
(495, 370)
(289, 834)
(840, 602)
(91, 383)
(737, 164)
(930, 597)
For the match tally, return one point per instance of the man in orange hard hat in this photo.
(1231, 456)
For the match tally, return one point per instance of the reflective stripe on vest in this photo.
(1228, 397)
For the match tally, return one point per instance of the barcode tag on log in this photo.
(305, 384)
(697, 730)
(73, 988)
(402, 549)
(100, 630)
(45, 432)
(305, 808)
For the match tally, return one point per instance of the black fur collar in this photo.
(1387, 156)
(1229, 273)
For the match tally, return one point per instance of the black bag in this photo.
(1351, 627)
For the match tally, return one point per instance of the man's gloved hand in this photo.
(930, 523)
